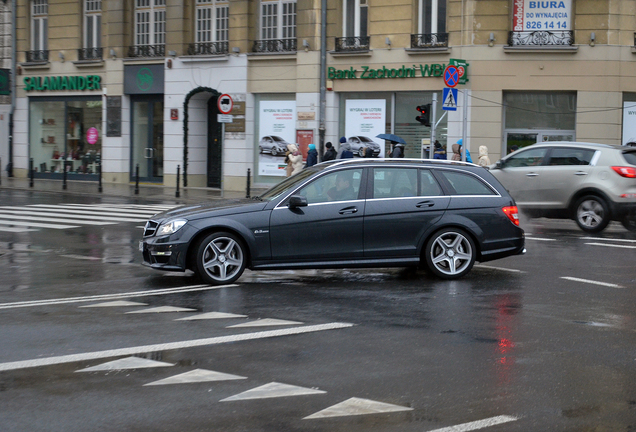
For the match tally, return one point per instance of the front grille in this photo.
(151, 228)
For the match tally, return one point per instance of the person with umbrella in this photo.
(397, 142)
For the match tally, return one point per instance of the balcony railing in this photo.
(37, 56)
(90, 53)
(429, 40)
(541, 38)
(208, 48)
(274, 46)
(147, 51)
(352, 43)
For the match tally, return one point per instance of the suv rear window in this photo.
(630, 157)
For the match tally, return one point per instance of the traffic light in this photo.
(425, 114)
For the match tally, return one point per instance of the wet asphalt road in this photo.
(539, 342)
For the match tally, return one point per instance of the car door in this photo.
(566, 170)
(520, 174)
(402, 203)
(328, 228)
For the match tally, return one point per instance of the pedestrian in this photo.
(439, 152)
(514, 148)
(457, 152)
(484, 160)
(345, 149)
(312, 156)
(295, 159)
(330, 153)
(398, 151)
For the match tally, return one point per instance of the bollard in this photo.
(177, 194)
(0, 171)
(99, 173)
(64, 166)
(137, 180)
(247, 193)
(31, 174)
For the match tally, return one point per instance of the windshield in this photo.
(289, 183)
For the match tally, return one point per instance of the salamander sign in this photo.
(53, 83)
(533, 15)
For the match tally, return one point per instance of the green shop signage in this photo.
(51, 83)
(366, 72)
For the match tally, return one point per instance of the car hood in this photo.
(215, 208)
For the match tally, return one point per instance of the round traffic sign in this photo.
(225, 104)
(451, 76)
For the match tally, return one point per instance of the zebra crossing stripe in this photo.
(38, 225)
(53, 216)
(100, 210)
(15, 230)
(95, 212)
(6, 218)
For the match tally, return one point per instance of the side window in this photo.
(428, 184)
(337, 186)
(570, 156)
(465, 184)
(524, 158)
(394, 182)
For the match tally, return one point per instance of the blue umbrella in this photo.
(391, 137)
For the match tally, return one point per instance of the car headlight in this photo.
(171, 227)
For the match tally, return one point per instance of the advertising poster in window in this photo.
(629, 123)
(364, 120)
(277, 129)
(537, 15)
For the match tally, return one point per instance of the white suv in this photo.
(590, 183)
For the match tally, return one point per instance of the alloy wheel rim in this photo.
(222, 258)
(451, 253)
(590, 213)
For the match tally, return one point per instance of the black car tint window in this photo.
(337, 186)
(570, 156)
(428, 184)
(465, 184)
(630, 157)
(394, 182)
(532, 157)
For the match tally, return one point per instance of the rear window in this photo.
(465, 184)
(630, 157)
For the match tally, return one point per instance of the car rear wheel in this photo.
(592, 214)
(220, 258)
(260, 150)
(273, 151)
(450, 253)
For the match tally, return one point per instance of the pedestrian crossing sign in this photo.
(450, 99)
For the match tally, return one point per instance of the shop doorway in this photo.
(147, 138)
(520, 138)
(215, 144)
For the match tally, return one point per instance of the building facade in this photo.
(138, 85)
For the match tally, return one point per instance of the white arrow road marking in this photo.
(479, 424)
(196, 376)
(273, 390)
(162, 309)
(211, 315)
(126, 363)
(357, 406)
(265, 323)
(143, 349)
(574, 279)
(116, 303)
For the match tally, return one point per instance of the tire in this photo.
(450, 253)
(273, 151)
(260, 150)
(629, 223)
(220, 258)
(591, 214)
(361, 152)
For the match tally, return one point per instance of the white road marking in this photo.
(126, 363)
(266, 322)
(357, 406)
(90, 219)
(273, 390)
(608, 239)
(211, 315)
(540, 239)
(116, 303)
(82, 257)
(574, 279)
(143, 349)
(479, 424)
(37, 225)
(162, 309)
(16, 230)
(612, 245)
(164, 291)
(72, 208)
(196, 376)
(499, 268)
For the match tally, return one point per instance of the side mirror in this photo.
(499, 164)
(297, 201)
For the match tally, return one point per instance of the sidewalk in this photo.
(147, 192)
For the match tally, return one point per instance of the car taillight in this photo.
(513, 214)
(628, 172)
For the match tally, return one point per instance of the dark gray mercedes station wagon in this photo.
(345, 214)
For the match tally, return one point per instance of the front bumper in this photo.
(160, 254)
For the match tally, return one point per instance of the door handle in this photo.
(580, 173)
(148, 151)
(425, 204)
(348, 210)
(532, 175)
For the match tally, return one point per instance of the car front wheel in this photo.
(220, 258)
(592, 214)
(450, 253)
(273, 151)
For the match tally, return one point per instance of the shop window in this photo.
(540, 110)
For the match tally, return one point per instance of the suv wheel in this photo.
(220, 258)
(450, 253)
(592, 214)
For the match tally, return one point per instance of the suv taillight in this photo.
(513, 214)
(628, 172)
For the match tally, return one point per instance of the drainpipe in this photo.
(14, 86)
(323, 77)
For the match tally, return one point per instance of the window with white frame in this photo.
(432, 16)
(212, 21)
(92, 23)
(150, 22)
(278, 20)
(39, 25)
(355, 18)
